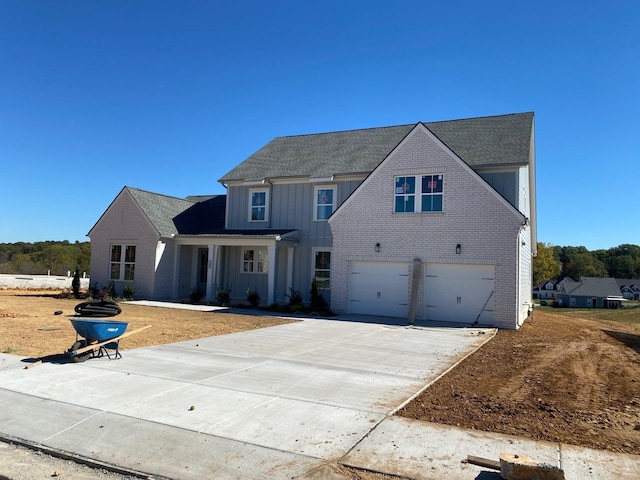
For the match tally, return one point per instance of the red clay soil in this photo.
(559, 378)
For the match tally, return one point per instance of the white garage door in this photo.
(379, 288)
(459, 293)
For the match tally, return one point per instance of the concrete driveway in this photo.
(268, 403)
(280, 402)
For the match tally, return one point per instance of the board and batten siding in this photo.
(504, 182)
(290, 205)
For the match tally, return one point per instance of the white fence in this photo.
(40, 282)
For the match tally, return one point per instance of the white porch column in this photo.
(271, 272)
(176, 270)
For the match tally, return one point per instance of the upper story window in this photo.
(123, 266)
(428, 189)
(254, 260)
(431, 193)
(324, 205)
(405, 194)
(258, 201)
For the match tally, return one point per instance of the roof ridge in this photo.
(349, 130)
(160, 194)
(481, 117)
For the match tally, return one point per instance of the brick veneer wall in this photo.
(474, 216)
(123, 223)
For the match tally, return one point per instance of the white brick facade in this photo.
(125, 224)
(474, 216)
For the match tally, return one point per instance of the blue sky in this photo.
(168, 96)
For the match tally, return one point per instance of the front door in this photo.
(203, 267)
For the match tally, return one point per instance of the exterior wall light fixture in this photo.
(377, 247)
(458, 249)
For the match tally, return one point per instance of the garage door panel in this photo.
(459, 293)
(378, 288)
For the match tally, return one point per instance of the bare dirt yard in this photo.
(564, 376)
(569, 376)
(31, 328)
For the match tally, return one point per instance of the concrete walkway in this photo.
(279, 402)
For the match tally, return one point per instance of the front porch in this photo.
(237, 261)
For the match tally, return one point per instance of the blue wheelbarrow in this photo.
(97, 338)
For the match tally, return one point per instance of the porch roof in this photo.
(268, 233)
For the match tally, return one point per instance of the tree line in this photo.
(42, 258)
(555, 262)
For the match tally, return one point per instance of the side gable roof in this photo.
(483, 141)
(172, 215)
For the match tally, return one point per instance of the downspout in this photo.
(266, 180)
(518, 278)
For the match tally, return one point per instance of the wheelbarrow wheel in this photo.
(84, 356)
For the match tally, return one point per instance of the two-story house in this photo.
(629, 288)
(545, 289)
(431, 221)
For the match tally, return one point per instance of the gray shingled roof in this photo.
(627, 282)
(593, 287)
(160, 209)
(499, 140)
(172, 216)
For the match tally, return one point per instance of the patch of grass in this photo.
(9, 350)
(629, 315)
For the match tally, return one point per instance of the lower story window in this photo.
(254, 260)
(123, 262)
(322, 269)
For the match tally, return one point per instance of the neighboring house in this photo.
(629, 288)
(432, 221)
(564, 284)
(545, 289)
(591, 292)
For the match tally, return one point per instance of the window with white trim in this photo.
(254, 260)
(258, 205)
(322, 268)
(426, 189)
(324, 201)
(123, 265)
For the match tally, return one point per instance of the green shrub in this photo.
(129, 291)
(223, 297)
(111, 290)
(75, 283)
(253, 297)
(318, 303)
(296, 308)
(197, 294)
(295, 297)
